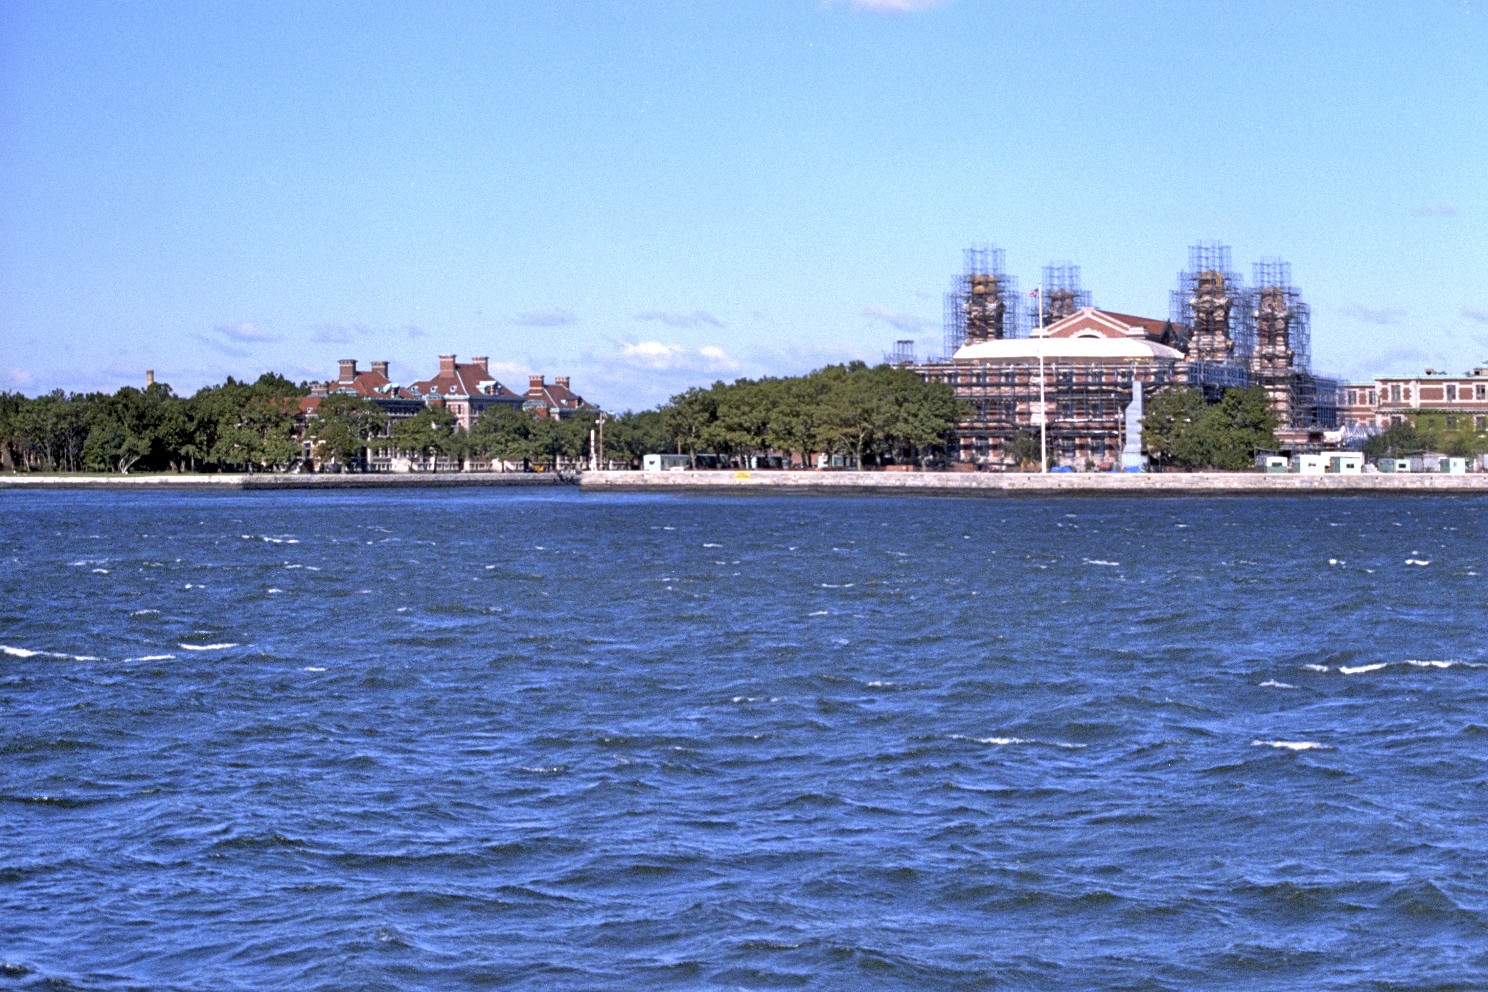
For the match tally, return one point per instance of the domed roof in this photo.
(1086, 348)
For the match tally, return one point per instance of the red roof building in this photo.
(466, 389)
(555, 400)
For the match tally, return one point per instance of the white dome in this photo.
(1088, 348)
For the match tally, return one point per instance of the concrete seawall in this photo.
(412, 480)
(1034, 484)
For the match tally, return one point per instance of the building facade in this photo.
(1071, 378)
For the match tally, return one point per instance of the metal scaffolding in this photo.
(983, 302)
(1062, 294)
(1231, 336)
(903, 353)
(1211, 302)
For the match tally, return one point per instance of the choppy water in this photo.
(485, 739)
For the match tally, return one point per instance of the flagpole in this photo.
(1043, 407)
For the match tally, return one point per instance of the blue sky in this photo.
(646, 196)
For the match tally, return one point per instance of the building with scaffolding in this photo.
(1067, 368)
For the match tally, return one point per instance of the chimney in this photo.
(561, 380)
(380, 368)
(149, 378)
(535, 382)
(446, 364)
(480, 362)
(348, 369)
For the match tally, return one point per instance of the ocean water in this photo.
(482, 739)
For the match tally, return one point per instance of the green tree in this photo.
(1179, 429)
(344, 427)
(1238, 426)
(629, 437)
(689, 417)
(426, 435)
(1170, 425)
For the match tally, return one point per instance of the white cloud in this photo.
(906, 323)
(217, 344)
(697, 318)
(1476, 313)
(659, 356)
(338, 333)
(555, 317)
(1384, 316)
(245, 332)
(889, 6)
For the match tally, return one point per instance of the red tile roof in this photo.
(554, 396)
(462, 379)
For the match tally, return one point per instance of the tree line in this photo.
(871, 415)
(1428, 430)
(234, 426)
(1181, 430)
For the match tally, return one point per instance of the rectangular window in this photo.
(1483, 392)
(1395, 392)
(1451, 392)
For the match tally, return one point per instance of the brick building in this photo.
(555, 400)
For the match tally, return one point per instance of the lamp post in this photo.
(1043, 406)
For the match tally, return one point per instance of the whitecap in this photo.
(820, 613)
(833, 585)
(1292, 745)
(1099, 561)
(145, 613)
(28, 653)
(100, 571)
(712, 545)
(153, 657)
(1006, 741)
(1273, 684)
(312, 668)
(1431, 664)
(1417, 561)
(209, 647)
(1316, 668)
(879, 684)
(1357, 669)
(272, 590)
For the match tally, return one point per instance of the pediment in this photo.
(1089, 322)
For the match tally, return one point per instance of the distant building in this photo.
(1065, 368)
(1460, 400)
(466, 389)
(555, 400)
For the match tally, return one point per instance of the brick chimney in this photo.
(446, 364)
(480, 362)
(348, 369)
(535, 382)
(561, 380)
(380, 368)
